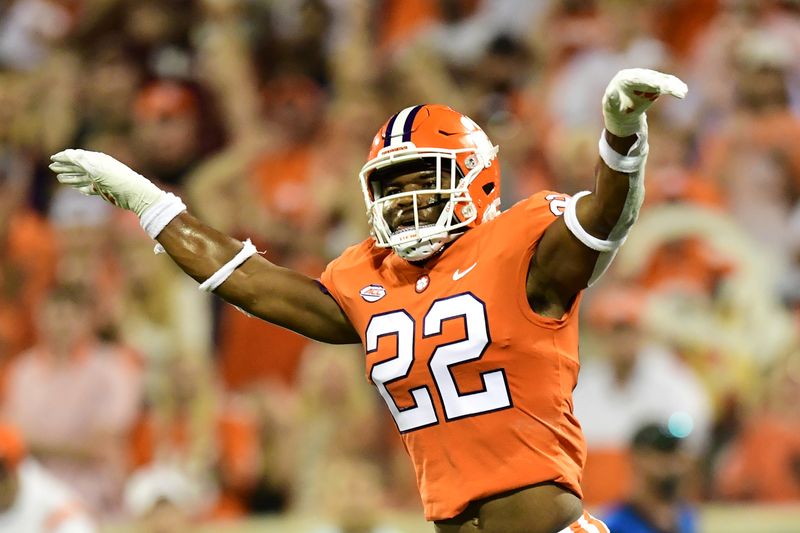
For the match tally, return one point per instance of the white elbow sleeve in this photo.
(633, 164)
(219, 277)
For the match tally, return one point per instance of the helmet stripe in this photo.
(387, 137)
(399, 127)
(409, 125)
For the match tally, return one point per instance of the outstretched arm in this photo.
(578, 247)
(225, 265)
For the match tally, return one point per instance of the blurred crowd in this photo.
(155, 402)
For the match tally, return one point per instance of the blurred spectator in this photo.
(74, 398)
(661, 474)
(762, 463)
(162, 500)
(106, 92)
(155, 309)
(285, 183)
(334, 409)
(230, 445)
(613, 35)
(159, 31)
(637, 381)
(679, 23)
(27, 252)
(353, 503)
(27, 30)
(722, 317)
(31, 499)
(466, 29)
(173, 129)
(177, 427)
(751, 154)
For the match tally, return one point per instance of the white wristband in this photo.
(156, 217)
(574, 225)
(219, 277)
(627, 164)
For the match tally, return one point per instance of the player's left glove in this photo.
(630, 93)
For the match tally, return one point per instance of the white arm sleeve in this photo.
(219, 277)
(633, 164)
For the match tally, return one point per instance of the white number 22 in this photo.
(494, 394)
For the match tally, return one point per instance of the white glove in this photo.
(630, 93)
(96, 173)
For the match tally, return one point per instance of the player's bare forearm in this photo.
(273, 293)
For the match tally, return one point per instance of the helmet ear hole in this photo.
(488, 188)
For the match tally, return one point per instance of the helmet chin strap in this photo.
(422, 250)
(426, 248)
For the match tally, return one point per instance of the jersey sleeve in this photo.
(334, 276)
(327, 280)
(526, 221)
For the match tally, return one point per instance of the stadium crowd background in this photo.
(132, 386)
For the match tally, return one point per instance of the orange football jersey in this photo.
(478, 384)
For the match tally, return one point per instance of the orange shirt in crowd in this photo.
(89, 400)
(762, 463)
(253, 351)
(400, 19)
(236, 448)
(27, 267)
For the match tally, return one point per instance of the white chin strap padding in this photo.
(419, 251)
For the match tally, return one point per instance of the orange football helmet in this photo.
(436, 135)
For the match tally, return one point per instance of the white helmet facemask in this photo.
(419, 240)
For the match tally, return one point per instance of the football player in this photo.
(467, 315)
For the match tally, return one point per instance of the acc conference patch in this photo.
(373, 293)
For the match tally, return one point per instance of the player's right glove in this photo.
(630, 93)
(96, 173)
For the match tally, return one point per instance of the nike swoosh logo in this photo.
(458, 274)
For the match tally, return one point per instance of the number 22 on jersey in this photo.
(494, 394)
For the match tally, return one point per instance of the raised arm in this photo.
(578, 247)
(222, 264)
